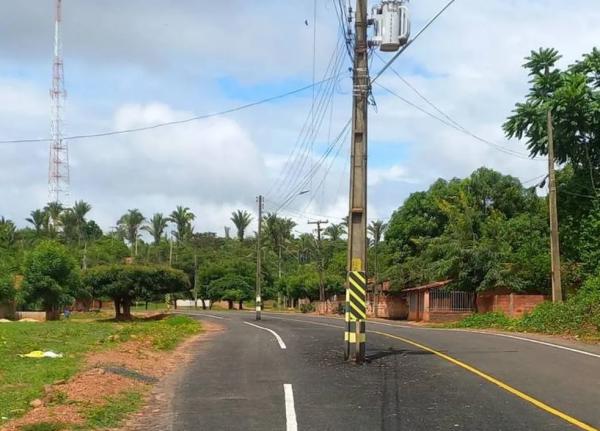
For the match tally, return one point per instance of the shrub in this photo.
(486, 320)
(307, 308)
(7, 289)
(580, 313)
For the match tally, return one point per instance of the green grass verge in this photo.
(112, 413)
(23, 379)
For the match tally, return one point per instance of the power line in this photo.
(421, 95)
(429, 23)
(461, 129)
(176, 122)
(293, 193)
(320, 185)
(297, 159)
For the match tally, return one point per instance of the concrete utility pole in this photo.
(258, 260)
(554, 241)
(196, 281)
(320, 250)
(357, 220)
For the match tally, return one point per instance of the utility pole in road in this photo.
(258, 260)
(355, 315)
(320, 250)
(553, 213)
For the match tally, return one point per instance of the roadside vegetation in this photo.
(579, 315)
(484, 232)
(23, 380)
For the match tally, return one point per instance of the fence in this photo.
(451, 301)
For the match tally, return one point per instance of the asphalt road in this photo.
(249, 378)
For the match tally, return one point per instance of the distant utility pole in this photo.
(320, 250)
(554, 242)
(171, 250)
(258, 260)
(196, 281)
(357, 221)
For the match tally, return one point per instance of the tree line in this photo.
(485, 231)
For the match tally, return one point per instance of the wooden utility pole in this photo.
(258, 260)
(554, 241)
(357, 220)
(320, 250)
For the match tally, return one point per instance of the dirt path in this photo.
(157, 412)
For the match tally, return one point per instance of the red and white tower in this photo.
(58, 170)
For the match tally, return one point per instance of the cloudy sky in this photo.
(140, 62)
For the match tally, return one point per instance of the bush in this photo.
(580, 313)
(51, 277)
(7, 289)
(486, 320)
(307, 308)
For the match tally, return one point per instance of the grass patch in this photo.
(23, 379)
(114, 411)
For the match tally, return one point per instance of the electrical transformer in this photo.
(392, 26)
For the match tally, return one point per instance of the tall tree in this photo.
(182, 217)
(54, 210)
(156, 227)
(39, 220)
(376, 229)
(69, 223)
(80, 211)
(241, 220)
(130, 224)
(335, 231)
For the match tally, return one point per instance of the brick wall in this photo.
(513, 305)
(388, 307)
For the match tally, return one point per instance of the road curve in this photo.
(416, 379)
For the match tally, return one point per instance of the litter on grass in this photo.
(37, 354)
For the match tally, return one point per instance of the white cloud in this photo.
(468, 63)
(395, 173)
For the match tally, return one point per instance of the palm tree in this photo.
(241, 220)
(130, 224)
(376, 229)
(68, 221)
(277, 230)
(39, 220)
(182, 217)
(306, 247)
(80, 210)
(156, 227)
(54, 210)
(227, 232)
(335, 231)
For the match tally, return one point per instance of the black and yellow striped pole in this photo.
(356, 313)
(357, 217)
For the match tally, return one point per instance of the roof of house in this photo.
(434, 285)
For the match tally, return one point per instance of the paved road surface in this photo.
(416, 379)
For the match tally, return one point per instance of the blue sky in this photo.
(136, 63)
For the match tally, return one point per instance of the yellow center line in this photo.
(497, 382)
